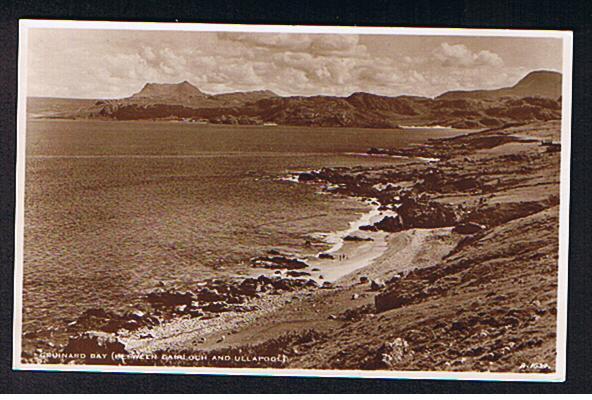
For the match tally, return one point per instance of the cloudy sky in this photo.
(115, 63)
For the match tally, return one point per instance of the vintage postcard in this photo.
(291, 200)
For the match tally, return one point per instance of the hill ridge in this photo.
(539, 83)
(536, 97)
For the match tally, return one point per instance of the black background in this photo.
(541, 14)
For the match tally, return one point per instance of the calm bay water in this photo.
(112, 208)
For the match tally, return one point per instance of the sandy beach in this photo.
(373, 259)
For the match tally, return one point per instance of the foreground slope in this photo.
(452, 300)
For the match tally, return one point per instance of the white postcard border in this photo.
(567, 39)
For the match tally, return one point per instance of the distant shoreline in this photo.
(248, 126)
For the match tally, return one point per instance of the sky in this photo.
(77, 63)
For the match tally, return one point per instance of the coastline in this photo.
(346, 205)
(356, 256)
(436, 235)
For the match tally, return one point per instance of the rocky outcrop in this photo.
(468, 228)
(109, 321)
(95, 329)
(278, 262)
(391, 355)
(354, 238)
(93, 342)
(389, 224)
(326, 256)
(391, 299)
(306, 177)
(169, 298)
(418, 213)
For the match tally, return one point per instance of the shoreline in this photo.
(252, 126)
(454, 250)
(326, 272)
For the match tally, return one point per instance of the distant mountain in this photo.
(535, 84)
(183, 91)
(535, 97)
(539, 83)
(239, 98)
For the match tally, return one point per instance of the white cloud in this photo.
(459, 55)
(90, 65)
(314, 43)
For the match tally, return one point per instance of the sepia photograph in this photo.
(292, 200)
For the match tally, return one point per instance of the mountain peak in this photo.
(547, 82)
(181, 90)
(541, 83)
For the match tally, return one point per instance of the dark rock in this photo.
(278, 262)
(297, 274)
(235, 300)
(95, 342)
(194, 313)
(418, 213)
(468, 228)
(389, 224)
(364, 279)
(311, 283)
(458, 326)
(131, 324)
(250, 286)
(135, 315)
(326, 256)
(264, 280)
(99, 319)
(208, 295)
(244, 308)
(306, 177)
(282, 284)
(288, 284)
(217, 307)
(391, 299)
(353, 238)
(553, 147)
(377, 284)
(169, 298)
(394, 278)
